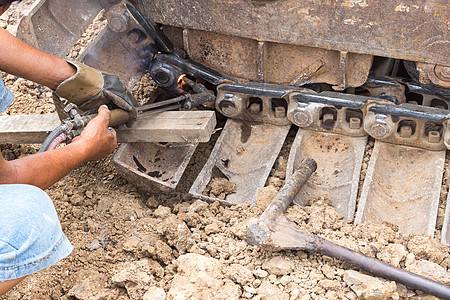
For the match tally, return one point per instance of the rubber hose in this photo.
(52, 136)
(59, 139)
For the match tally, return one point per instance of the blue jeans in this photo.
(6, 97)
(31, 238)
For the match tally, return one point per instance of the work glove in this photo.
(89, 88)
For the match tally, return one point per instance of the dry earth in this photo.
(128, 245)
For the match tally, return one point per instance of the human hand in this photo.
(97, 139)
(89, 88)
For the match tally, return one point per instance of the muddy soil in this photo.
(129, 245)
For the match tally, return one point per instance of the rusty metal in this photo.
(273, 231)
(416, 32)
(153, 166)
(339, 160)
(402, 187)
(437, 74)
(243, 155)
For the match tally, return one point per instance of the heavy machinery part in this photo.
(124, 54)
(402, 187)
(274, 231)
(54, 26)
(352, 26)
(348, 114)
(243, 155)
(339, 160)
(153, 166)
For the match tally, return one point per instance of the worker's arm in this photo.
(44, 169)
(19, 59)
(87, 87)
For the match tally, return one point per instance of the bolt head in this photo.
(379, 130)
(302, 118)
(228, 108)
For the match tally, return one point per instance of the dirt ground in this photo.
(129, 245)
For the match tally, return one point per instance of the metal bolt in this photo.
(405, 131)
(119, 23)
(254, 108)
(434, 137)
(442, 72)
(227, 105)
(379, 130)
(280, 112)
(302, 118)
(355, 123)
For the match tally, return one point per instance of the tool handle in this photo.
(120, 116)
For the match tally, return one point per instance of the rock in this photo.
(76, 199)
(155, 293)
(240, 229)
(103, 241)
(137, 276)
(163, 252)
(393, 254)
(278, 265)
(425, 247)
(162, 212)
(176, 232)
(239, 274)
(200, 277)
(212, 228)
(89, 194)
(430, 270)
(94, 245)
(131, 244)
(152, 202)
(368, 287)
(260, 273)
(269, 291)
(92, 286)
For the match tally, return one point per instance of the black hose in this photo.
(53, 135)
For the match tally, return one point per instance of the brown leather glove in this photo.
(89, 88)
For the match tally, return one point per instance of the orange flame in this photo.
(180, 79)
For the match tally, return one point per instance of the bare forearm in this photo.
(44, 169)
(20, 59)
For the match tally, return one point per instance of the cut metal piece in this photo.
(402, 187)
(244, 155)
(151, 166)
(339, 160)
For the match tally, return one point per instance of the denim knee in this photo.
(31, 237)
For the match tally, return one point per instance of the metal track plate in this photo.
(446, 226)
(151, 166)
(244, 155)
(402, 187)
(54, 26)
(339, 160)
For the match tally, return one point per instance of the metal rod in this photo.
(287, 193)
(144, 108)
(158, 110)
(381, 269)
